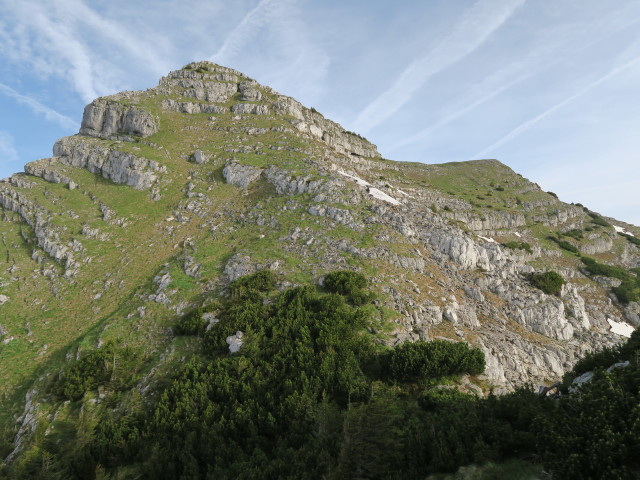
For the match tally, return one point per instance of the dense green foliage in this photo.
(518, 245)
(190, 324)
(598, 220)
(412, 361)
(549, 282)
(312, 395)
(565, 245)
(575, 234)
(107, 365)
(628, 290)
(630, 238)
(595, 268)
(350, 284)
(594, 434)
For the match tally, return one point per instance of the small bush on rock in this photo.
(549, 282)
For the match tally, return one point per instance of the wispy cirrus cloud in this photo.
(544, 57)
(531, 122)
(260, 16)
(8, 152)
(69, 40)
(472, 31)
(39, 108)
(292, 59)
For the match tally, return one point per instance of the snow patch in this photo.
(487, 239)
(622, 230)
(380, 195)
(621, 328)
(374, 192)
(403, 193)
(359, 181)
(517, 234)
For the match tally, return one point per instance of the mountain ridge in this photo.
(167, 195)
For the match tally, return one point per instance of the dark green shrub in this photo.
(439, 358)
(190, 324)
(630, 238)
(628, 291)
(595, 268)
(564, 245)
(575, 233)
(518, 245)
(102, 366)
(549, 282)
(350, 284)
(598, 220)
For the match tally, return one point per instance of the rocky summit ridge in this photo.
(166, 195)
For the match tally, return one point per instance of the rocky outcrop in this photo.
(331, 133)
(464, 251)
(19, 180)
(596, 243)
(47, 236)
(192, 107)
(235, 342)
(26, 424)
(489, 221)
(104, 118)
(546, 316)
(45, 169)
(288, 184)
(240, 175)
(118, 166)
(250, 108)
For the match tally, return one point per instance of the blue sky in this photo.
(551, 88)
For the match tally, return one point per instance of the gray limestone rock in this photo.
(238, 266)
(191, 107)
(120, 167)
(199, 157)
(240, 175)
(250, 108)
(235, 342)
(105, 118)
(45, 169)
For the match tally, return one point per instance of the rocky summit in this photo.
(165, 196)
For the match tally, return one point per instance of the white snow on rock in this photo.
(622, 230)
(380, 195)
(404, 193)
(359, 181)
(517, 234)
(374, 192)
(487, 239)
(621, 328)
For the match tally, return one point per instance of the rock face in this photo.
(239, 175)
(106, 119)
(118, 166)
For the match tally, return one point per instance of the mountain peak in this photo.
(167, 195)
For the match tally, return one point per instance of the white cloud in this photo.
(260, 16)
(37, 107)
(291, 60)
(531, 122)
(8, 152)
(474, 28)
